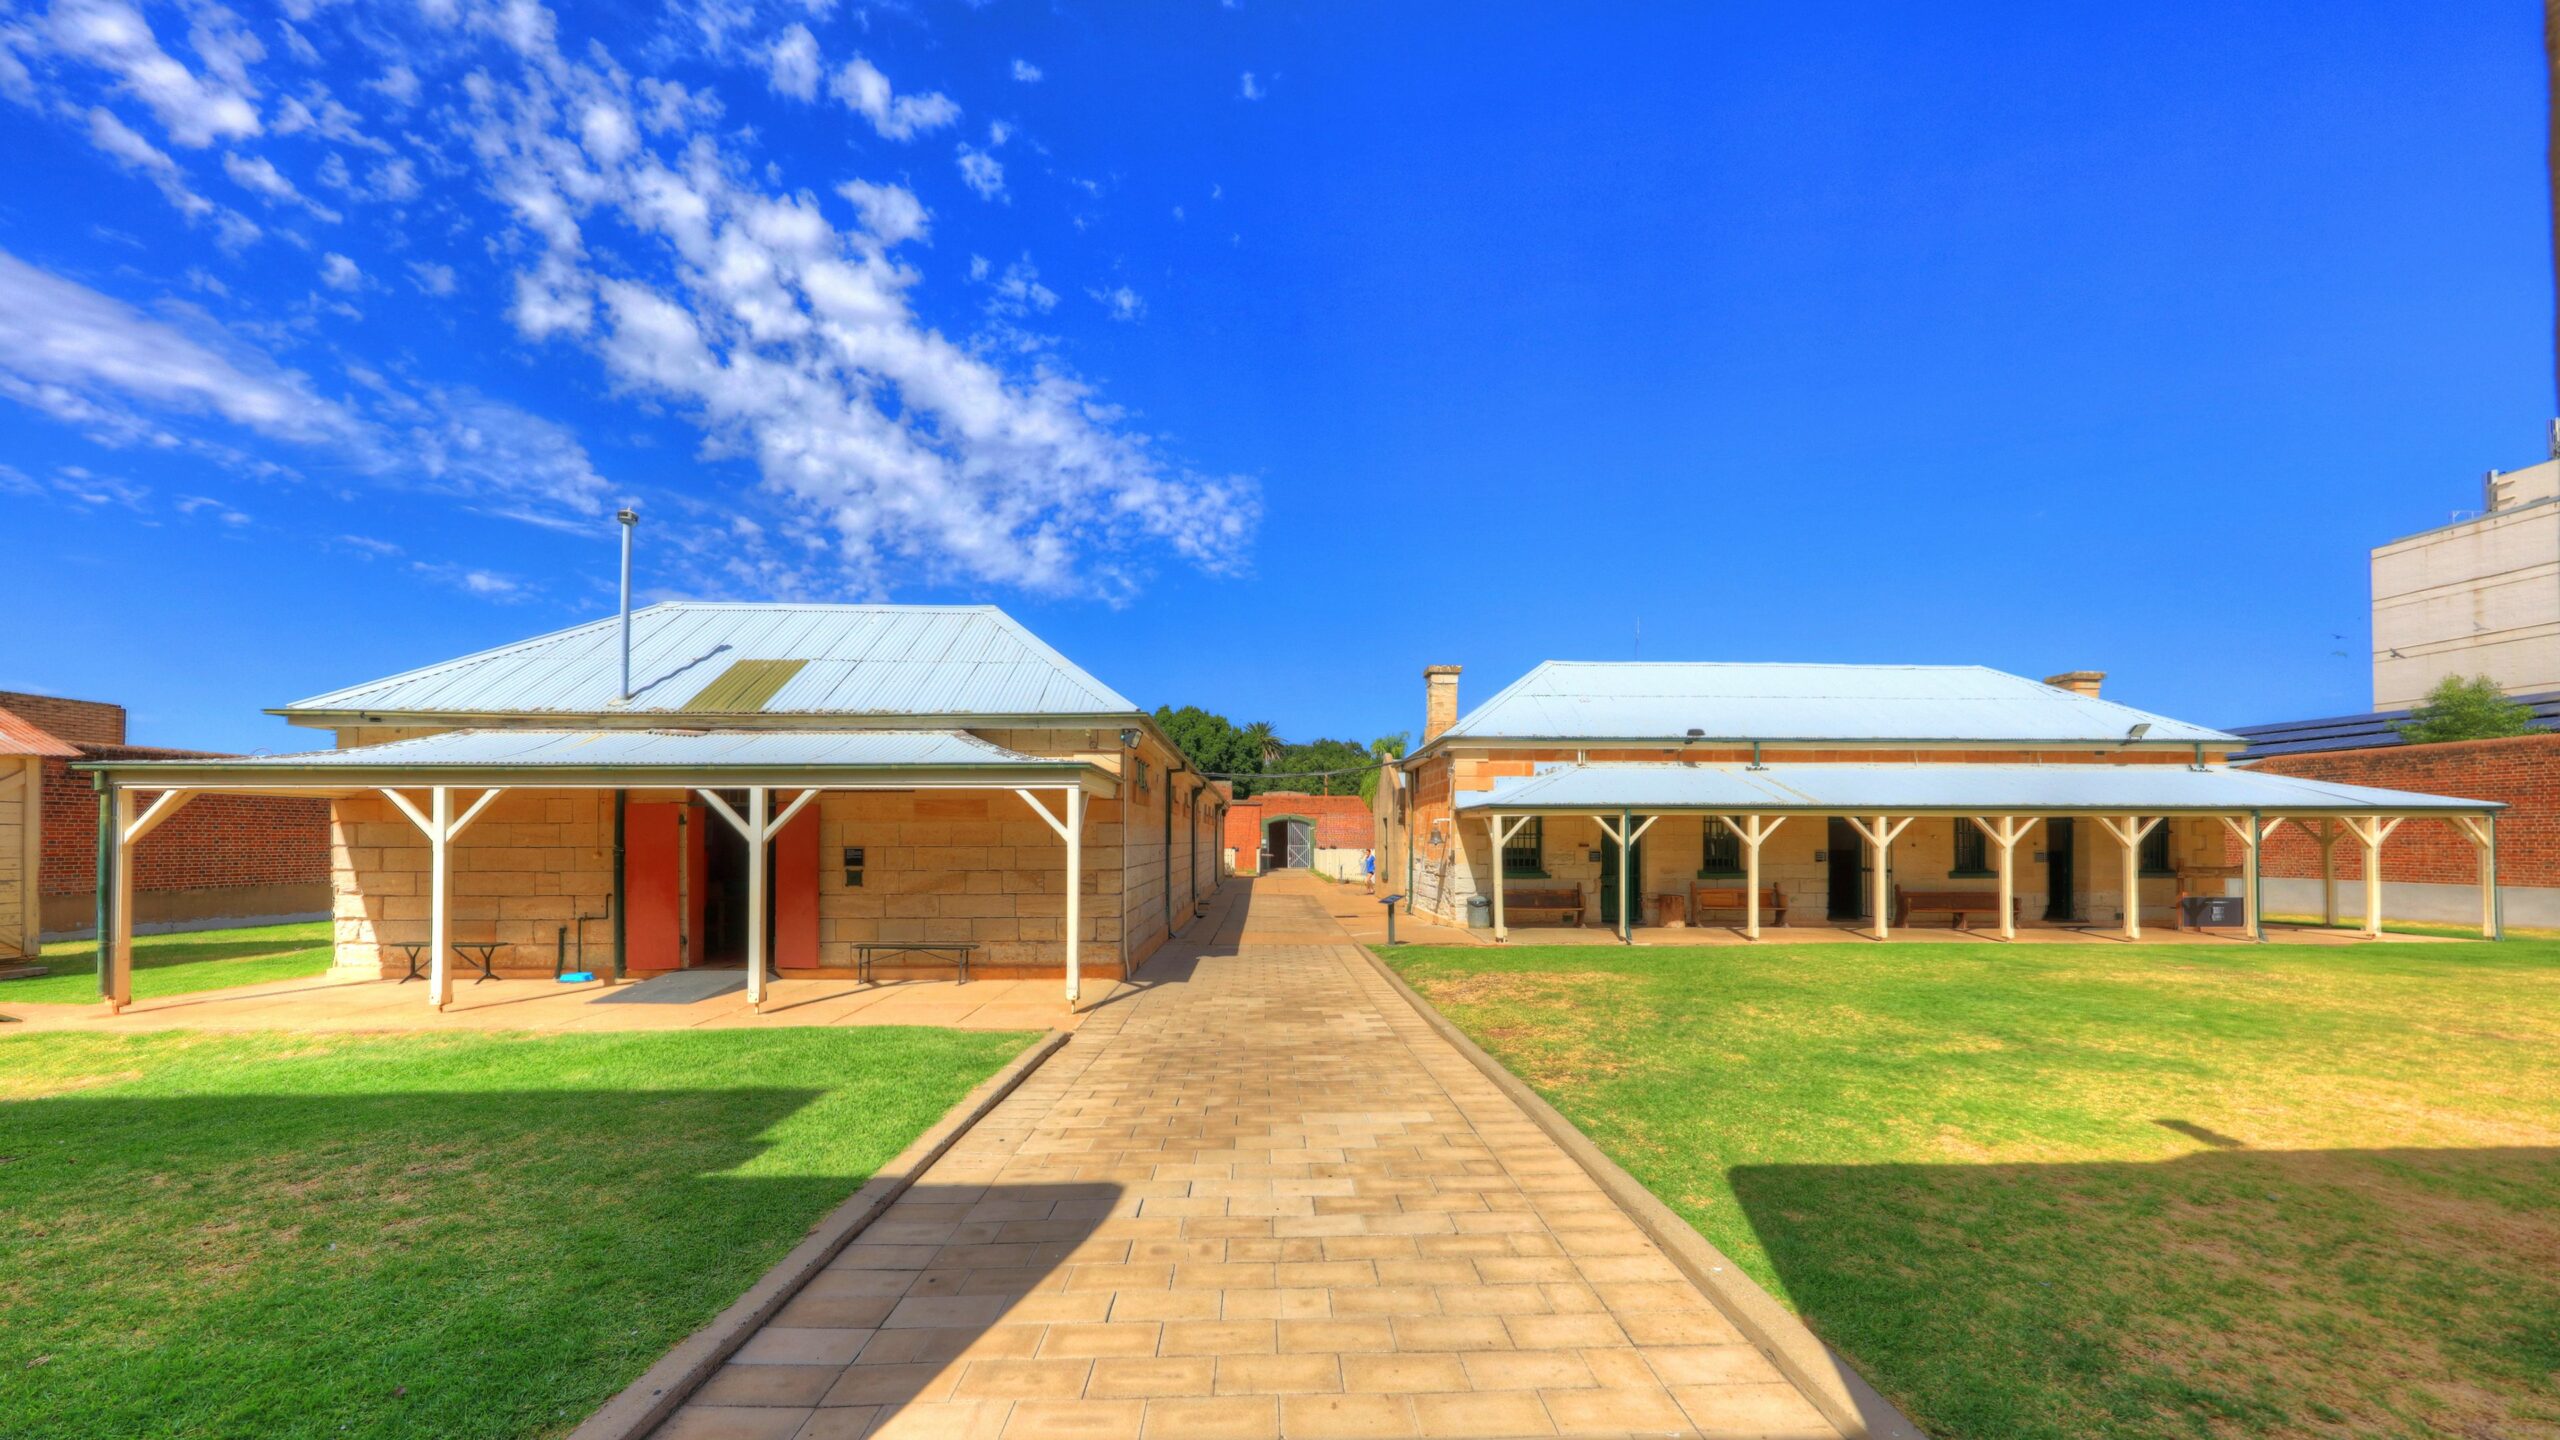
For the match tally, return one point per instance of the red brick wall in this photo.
(80, 722)
(214, 841)
(1342, 821)
(2523, 771)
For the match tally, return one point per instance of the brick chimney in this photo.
(2078, 682)
(1439, 700)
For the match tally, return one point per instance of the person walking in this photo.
(1369, 870)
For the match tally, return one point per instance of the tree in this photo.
(1266, 743)
(1211, 741)
(1382, 749)
(2459, 709)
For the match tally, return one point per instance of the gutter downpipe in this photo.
(106, 881)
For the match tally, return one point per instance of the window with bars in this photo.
(1972, 850)
(2155, 851)
(1722, 853)
(1524, 855)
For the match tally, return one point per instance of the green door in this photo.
(1609, 882)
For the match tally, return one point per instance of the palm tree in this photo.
(1265, 742)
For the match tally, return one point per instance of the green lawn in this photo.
(180, 963)
(2062, 1191)
(432, 1235)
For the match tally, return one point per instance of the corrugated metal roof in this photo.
(693, 750)
(22, 736)
(2370, 731)
(1585, 700)
(885, 660)
(1894, 789)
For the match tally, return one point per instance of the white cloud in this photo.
(701, 283)
(981, 171)
(95, 362)
(220, 509)
(866, 92)
(256, 173)
(890, 212)
(432, 278)
(134, 153)
(79, 355)
(487, 584)
(511, 461)
(1016, 293)
(1122, 302)
(794, 64)
(340, 273)
(1026, 72)
(113, 36)
(399, 84)
(1249, 88)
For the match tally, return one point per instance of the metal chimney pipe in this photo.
(630, 520)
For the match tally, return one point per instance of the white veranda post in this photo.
(1752, 830)
(132, 822)
(2326, 833)
(1070, 830)
(2004, 832)
(1624, 835)
(2129, 834)
(2482, 831)
(1880, 837)
(2252, 832)
(2370, 831)
(440, 826)
(1502, 834)
(758, 829)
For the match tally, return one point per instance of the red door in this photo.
(652, 934)
(795, 892)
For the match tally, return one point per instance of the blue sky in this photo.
(1257, 355)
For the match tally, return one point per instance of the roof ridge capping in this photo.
(1951, 704)
(557, 671)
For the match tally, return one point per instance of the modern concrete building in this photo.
(2480, 596)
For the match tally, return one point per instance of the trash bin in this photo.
(2202, 912)
(1479, 912)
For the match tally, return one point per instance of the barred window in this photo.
(2155, 851)
(1525, 853)
(1973, 852)
(1723, 853)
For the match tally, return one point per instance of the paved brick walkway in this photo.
(1255, 1196)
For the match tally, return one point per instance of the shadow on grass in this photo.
(2228, 1292)
(463, 1263)
(148, 956)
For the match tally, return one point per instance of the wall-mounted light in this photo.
(1129, 738)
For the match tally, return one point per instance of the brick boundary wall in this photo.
(1342, 821)
(2523, 771)
(213, 842)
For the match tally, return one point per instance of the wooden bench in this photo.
(1703, 898)
(1562, 905)
(866, 953)
(1957, 903)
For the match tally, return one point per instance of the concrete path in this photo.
(1255, 1196)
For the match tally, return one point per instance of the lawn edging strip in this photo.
(1842, 1395)
(646, 1403)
